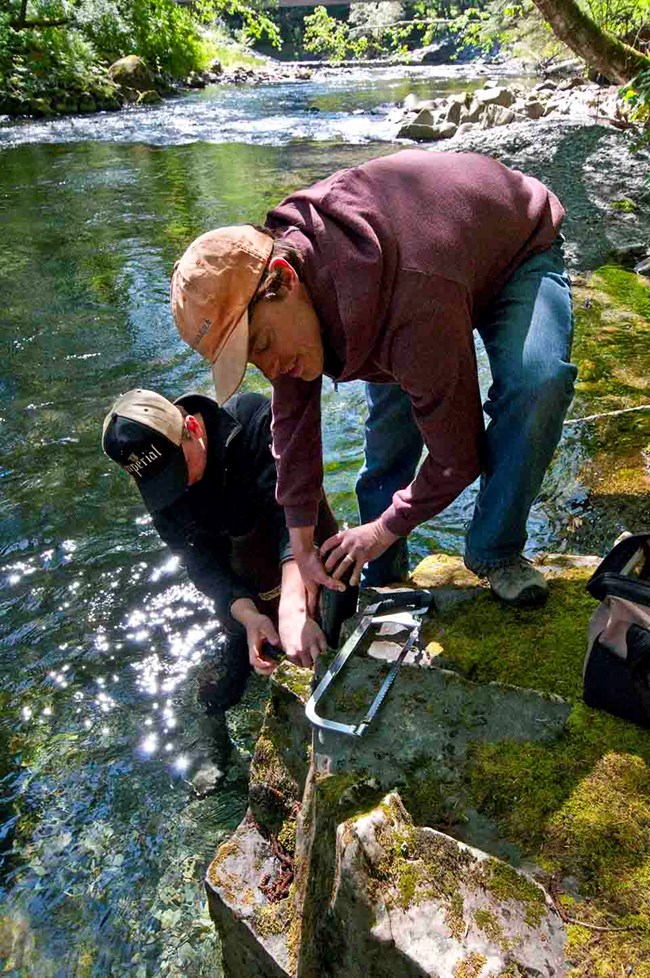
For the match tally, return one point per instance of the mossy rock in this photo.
(132, 74)
(150, 97)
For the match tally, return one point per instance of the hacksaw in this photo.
(413, 606)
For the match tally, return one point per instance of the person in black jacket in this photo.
(207, 476)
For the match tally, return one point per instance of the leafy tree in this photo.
(331, 37)
(600, 48)
(48, 45)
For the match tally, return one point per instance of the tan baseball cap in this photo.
(211, 288)
(143, 433)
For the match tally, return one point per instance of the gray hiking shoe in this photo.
(518, 583)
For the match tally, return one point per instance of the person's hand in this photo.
(348, 550)
(313, 576)
(301, 638)
(310, 565)
(260, 630)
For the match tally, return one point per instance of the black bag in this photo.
(617, 664)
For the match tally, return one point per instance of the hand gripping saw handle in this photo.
(404, 607)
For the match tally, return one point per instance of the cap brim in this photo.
(230, 366)
(162, 490)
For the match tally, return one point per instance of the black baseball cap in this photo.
(143, 433)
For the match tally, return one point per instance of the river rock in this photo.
(456, 110)
(423, 118)
(132, 75)
(367, 857)
(629, 254)
(495, 96)
(195, 80)
(534, 109)
(150, 97)
(569, 83)
(473, 111)
(433, 903)
(497, 115)
(426, 133)
(545, 86)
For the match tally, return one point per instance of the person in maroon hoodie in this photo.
(381, 273)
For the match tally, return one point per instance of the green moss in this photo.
(512, 970)
(489, 924)
(581, 807)
(273, 791)
(624, 205)
(348, 796)
(287, 836)
(505, 883)
(478, 638)
(470, 967)
(522, 785)
(272, 918)
(294, 678)
(625, 289)
(424, 796)
(601, 832)
(455, 917)
(351, 701)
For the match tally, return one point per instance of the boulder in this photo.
(417, 849)
(534, 109)
(423, 118)
(132, 75)
(150, 97)
(545, 86)
(195, 80)
(438, 53)
(569, 83)
(495, 96)
(456, 110)
(426, 133)
(628, 255)
(497, 115)
(473, 111)
(433, 901)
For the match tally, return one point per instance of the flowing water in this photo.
(103, 844)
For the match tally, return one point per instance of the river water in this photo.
(104, 845)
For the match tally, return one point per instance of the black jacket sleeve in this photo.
(209, 573)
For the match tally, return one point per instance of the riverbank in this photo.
(130, 81)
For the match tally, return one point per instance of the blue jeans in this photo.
(527, 334)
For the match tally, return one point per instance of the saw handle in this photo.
(406, 599)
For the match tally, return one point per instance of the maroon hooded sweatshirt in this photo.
(402, 257)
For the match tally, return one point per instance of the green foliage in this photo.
(637, 95)
(329, 36)
(175, 39)
(164, 34)
(625, 18)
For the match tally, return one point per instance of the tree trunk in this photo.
(617, 61)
